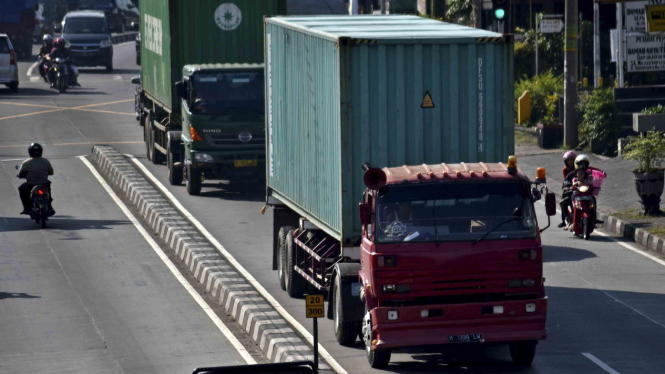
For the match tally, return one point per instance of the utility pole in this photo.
(620, 44)
(596, 44)
(570, 74)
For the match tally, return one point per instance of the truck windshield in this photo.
(81, 25)
(455, 212)
(229, 93)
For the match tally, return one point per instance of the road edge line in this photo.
(275, 304)
(174, 270)
(600, 363)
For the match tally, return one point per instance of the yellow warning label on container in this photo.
(427, 101)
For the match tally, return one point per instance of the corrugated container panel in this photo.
(202, 31)
(385, 70)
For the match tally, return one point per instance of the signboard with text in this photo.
(656, 18)
(645, 53)
(314, 306)
(549, 26)
(635, 15)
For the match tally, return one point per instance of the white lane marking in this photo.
(32, 67)
(202, 303)
(292, 321)
(12, 159)
(598, 362)
(623, 244)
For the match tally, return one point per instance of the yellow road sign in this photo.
(314, 306)
(655, 18)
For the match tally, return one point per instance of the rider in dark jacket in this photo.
(60, 50)
(46, 49)
(35, 171)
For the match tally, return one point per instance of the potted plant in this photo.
(550, 129)
(649, 152)
(650, 119)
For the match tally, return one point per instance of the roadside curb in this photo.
(276, 339)
(121, 38)
(631, 232)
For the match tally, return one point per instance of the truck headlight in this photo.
(105, 43)
(203, 157)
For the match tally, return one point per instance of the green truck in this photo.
(200, 97)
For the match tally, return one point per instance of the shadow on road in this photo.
(553, 253)
(17, 295)
(58, 223)
(26, 93)
(104, 72)
(235, 191)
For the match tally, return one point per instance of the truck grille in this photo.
(460, 299)
(85, 47)
(233, 141)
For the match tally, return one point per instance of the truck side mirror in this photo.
(180, 89)
(365, 213)
(550, 204)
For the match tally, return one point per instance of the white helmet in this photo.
(579, 160)
(47, 39)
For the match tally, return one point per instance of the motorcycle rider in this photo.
(47, 47)
(35, 171)
(571, 161)
(60, 50)
(582, 174)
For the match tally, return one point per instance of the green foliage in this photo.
(599, 115)
(551, 115)
(649, 151)
(550, 50)
(524, 60)
(541, 87)
(461, 12)
(658, 109)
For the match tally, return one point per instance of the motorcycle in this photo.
(44, 65)
(59, 74)
(40, 197)
(582, 209)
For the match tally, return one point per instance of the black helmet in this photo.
(35, 150)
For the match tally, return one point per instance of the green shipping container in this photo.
(388, 90)
(179, 32)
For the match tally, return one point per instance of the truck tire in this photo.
(175, 174)
(146, 137)
(378, 358)
(157, 156)
(193, 181)
(295, 284)
(345, 331)
(281, 255)
(523, 352)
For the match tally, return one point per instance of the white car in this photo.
(8, 64)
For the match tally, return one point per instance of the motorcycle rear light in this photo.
(393, 315)
(514, 283)
(12, 58)
(528, 255)
(40, 192)
(386, 261)
(528, 282)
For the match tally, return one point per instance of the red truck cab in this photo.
(452, 254)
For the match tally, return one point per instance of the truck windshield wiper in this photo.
(511, 219)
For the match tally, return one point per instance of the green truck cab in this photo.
(222, 134)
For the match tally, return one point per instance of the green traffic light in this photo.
(499, 13)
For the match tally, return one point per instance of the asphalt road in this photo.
(606, 310)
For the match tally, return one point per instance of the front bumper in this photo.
(224, 166)
(412, 329)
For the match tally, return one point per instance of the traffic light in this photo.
(500, 9)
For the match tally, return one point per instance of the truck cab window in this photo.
(230, 93)
(455, 211)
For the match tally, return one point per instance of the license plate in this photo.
(244, 163)
(468, 338)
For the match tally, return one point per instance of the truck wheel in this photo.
(378, 358)
(157, 155)
(175, 174)
(281, 254)
(345, 332)
(193, 181)
(523, 353)
(295, 284)
(138, 59)
(146, 137)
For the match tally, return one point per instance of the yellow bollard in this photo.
(600, 82)
(524, 108)
(585, 82)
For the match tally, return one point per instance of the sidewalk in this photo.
(617, 198)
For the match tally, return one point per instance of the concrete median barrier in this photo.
(228, 287)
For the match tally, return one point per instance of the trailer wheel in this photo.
(345, 332)
(281, 255)
(378, 358)
(157, 156)
(295, 284)
(146, 137)
(175, 174)
(523, 353)
(193, 181)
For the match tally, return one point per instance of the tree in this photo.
(461, 12)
